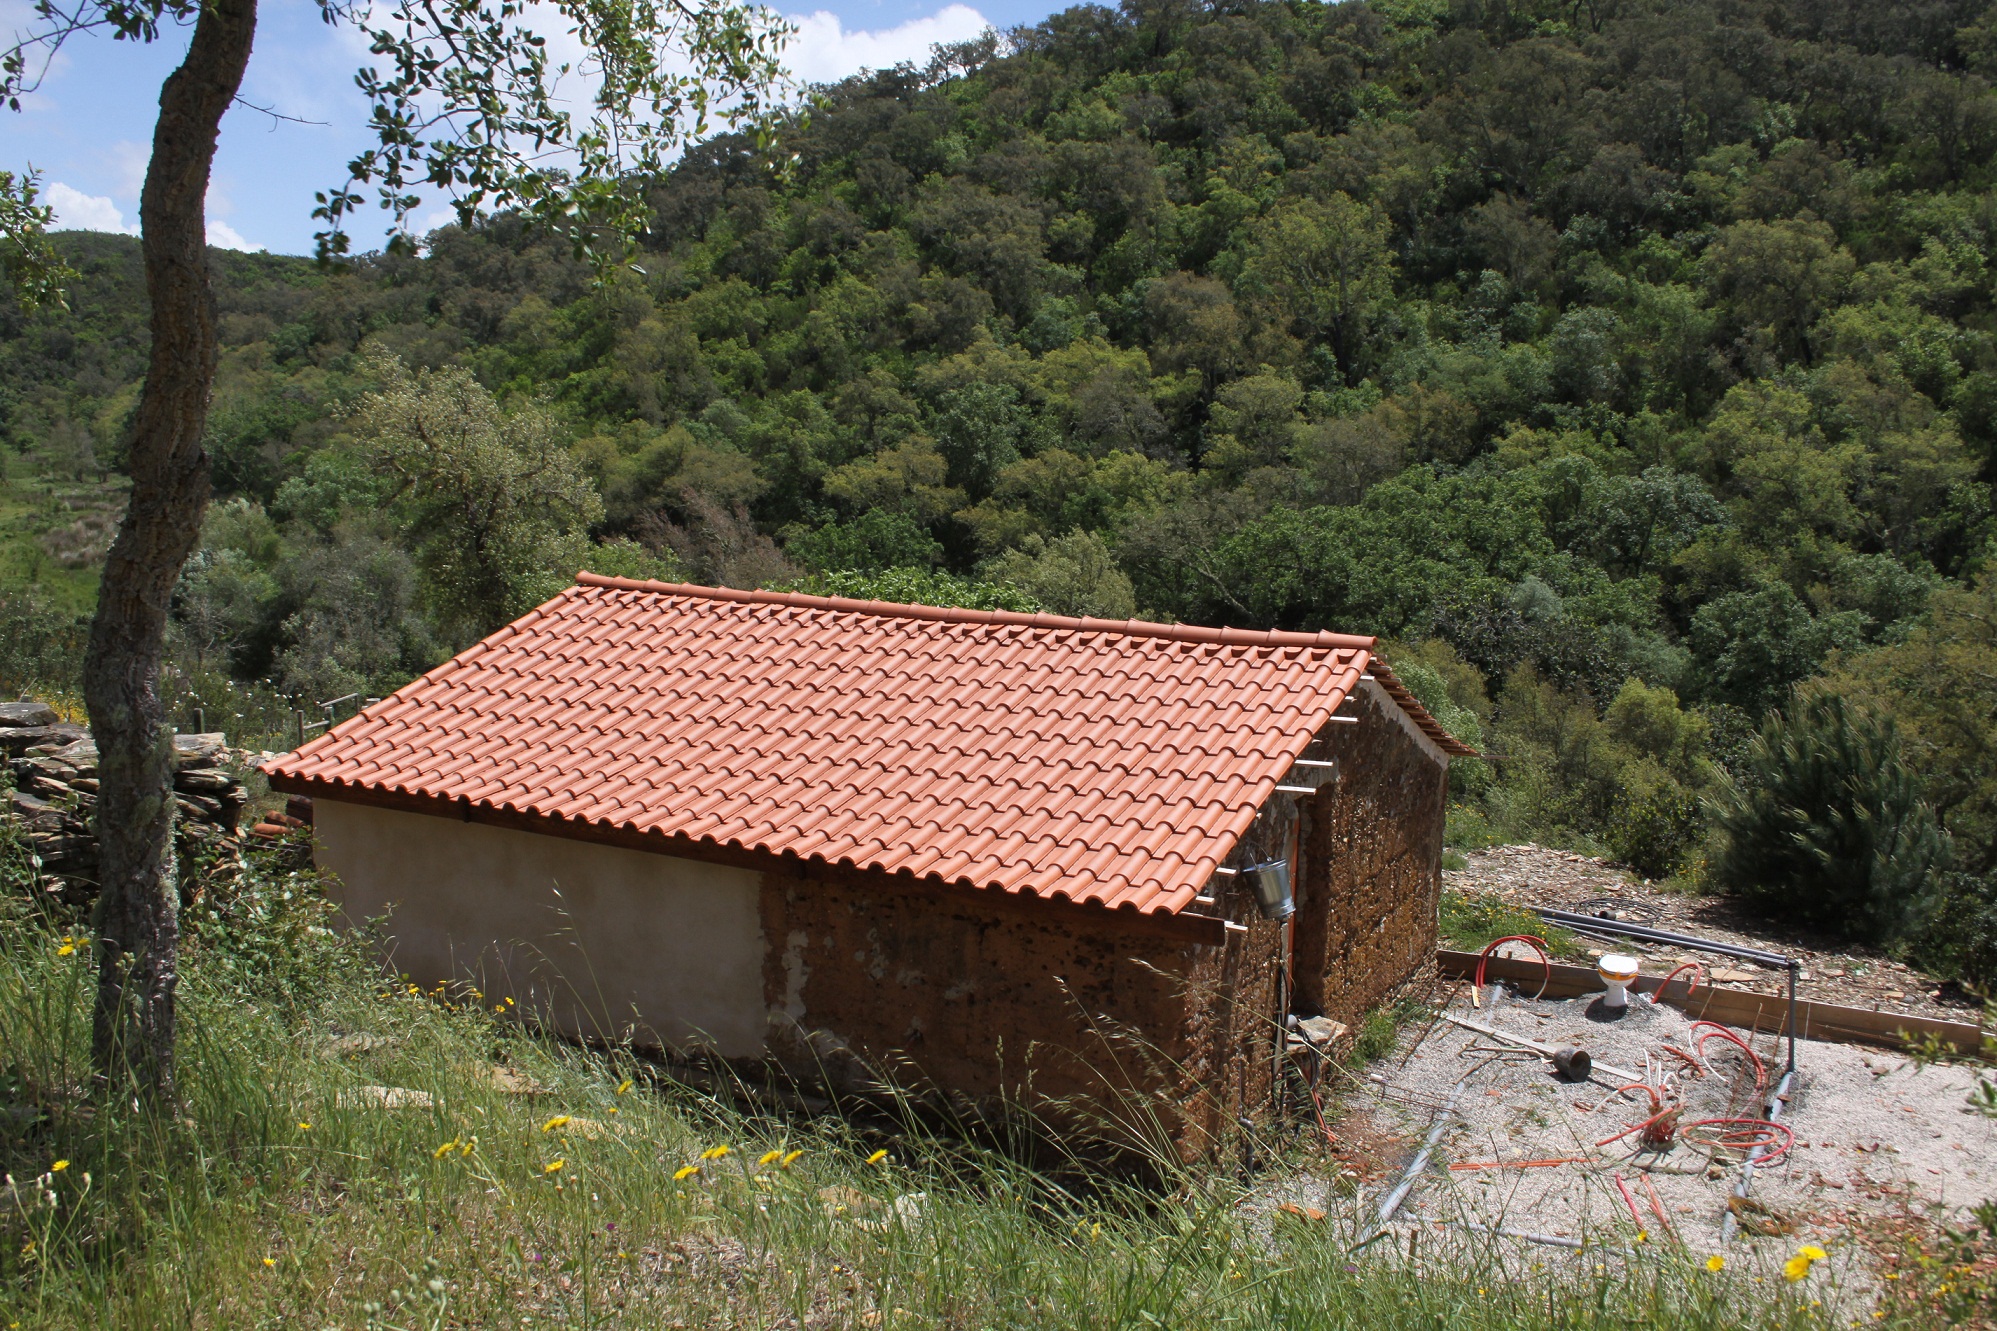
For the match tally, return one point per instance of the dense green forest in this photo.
(1631, 365)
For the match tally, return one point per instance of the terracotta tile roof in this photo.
(1099, 761)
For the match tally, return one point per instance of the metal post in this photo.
(1794, 966)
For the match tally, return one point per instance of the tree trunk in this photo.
(138, 925)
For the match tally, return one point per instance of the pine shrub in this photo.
(1824, 826)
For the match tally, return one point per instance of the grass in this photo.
(286, 1195)
(1472, 920)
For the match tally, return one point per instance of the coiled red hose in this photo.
(1745, 1134)
(1535, 943)
(1703, 1031)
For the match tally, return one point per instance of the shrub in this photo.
(1826, 827)
(41, 644)
(1959, 938)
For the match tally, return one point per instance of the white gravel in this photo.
(1875, 1135)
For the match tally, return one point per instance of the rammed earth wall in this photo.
(1370, 880)
(1156, 1029)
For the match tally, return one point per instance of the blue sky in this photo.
(88, 128)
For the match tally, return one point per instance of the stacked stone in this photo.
(55, 798)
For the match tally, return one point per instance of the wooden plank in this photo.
(1733, 1007)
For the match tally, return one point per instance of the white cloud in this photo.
(824, 51)
(77, 211)
(225, 237)
(130, 160)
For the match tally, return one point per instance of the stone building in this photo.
(994, 856)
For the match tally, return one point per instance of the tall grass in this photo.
(289, 1192)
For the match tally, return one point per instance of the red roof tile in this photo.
(1095, 760)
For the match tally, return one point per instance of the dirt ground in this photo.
(1832, 972)
(1878, 1140)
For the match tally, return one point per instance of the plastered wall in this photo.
(597, 939)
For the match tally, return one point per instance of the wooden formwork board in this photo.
(1736, 1007)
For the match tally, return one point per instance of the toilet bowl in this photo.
(1618, 973)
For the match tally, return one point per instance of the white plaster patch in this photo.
(596, 939)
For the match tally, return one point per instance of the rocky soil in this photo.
(1833, 972)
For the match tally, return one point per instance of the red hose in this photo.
(1537, 944)
(1681, 966)
(1698, 1068)
(1630, 1201)
(1657, 1205)
(1662, 1113)
(1748, 1133)
(1703, 1031)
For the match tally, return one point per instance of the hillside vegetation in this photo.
(1628, 363)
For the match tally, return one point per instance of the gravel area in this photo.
(1832, 972)
(1876, 1138)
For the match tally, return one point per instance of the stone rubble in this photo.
(54, 766)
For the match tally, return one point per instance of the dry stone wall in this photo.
(54, 799)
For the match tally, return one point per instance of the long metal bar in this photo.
(1793, 968)
(1649, 935)
(1551, 1240)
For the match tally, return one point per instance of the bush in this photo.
(1826, 827)
(1959, 940)
(41, 645)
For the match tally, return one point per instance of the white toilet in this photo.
(1618, 973)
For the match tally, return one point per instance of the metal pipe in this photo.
(1794, 966)
(1551, 1240)
(1649, 935)
(1729, 1223)
(1392, 1201)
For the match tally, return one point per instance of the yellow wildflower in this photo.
(58, 1166)
(553, 1167)
(557, 1121)
(509, 1002)
(304, 1126)
(685, 1172)
(270, 1261)
(1799, 1266)
(445, 1149)
(770, 1157)
(877, 1157)
(1716, 1263)
(67, 949)
(715, 1152)
(624, 1086)
(791, 1159)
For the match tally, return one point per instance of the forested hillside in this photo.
(1628, 363)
